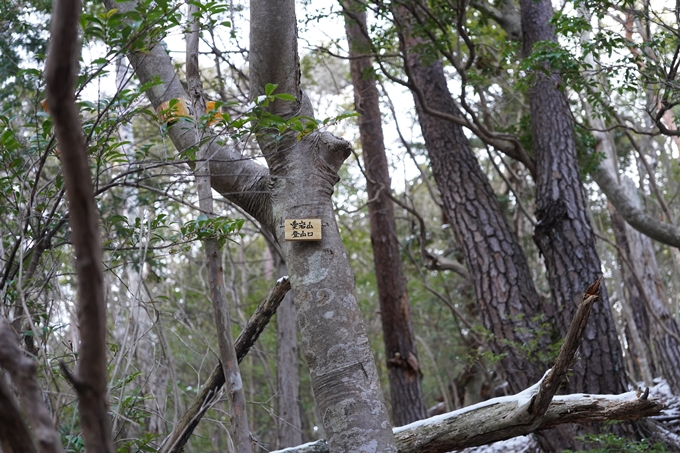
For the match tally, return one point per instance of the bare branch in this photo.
(651, 226)
(565, 358)
(533, 409)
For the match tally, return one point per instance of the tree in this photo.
(395, 310)
(563, 233)
(343, 372)
(509, 303)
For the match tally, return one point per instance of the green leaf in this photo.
(284, 97)
(269, 89)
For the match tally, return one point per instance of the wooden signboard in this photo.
(302, 229)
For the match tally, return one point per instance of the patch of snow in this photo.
(520, 444)
(298, 447)
(628, 396)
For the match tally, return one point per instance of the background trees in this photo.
(465, 214)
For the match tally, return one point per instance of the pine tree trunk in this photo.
(403, 367)
(564, 234)
(508, 300)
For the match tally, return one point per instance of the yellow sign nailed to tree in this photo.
(302, 229)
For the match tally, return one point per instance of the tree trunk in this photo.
(298, 183)
(287, 374)
(634, 311)
(508, 300)
(563, 233)
(404, 373)
(652, 309)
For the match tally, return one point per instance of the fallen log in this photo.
(506, 417)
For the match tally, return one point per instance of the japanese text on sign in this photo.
(302, 229)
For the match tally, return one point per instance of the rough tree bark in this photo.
(508, 300)
(563, 233)
(406, 394)
(298, 183)
(90, 380)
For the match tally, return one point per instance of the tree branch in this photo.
(236, 177)
(654, 228)
(565, 357)
(205, 398)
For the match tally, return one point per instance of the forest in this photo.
(356, 226)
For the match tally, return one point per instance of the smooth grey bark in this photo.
(303, 172)
(297, 184)
(287, 373)
(646, 224)
(651, 309)
(403, 368)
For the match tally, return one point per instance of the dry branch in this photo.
(22, 369)
(507, 417)
(565, 358)
(256, 324)
(60, 78)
